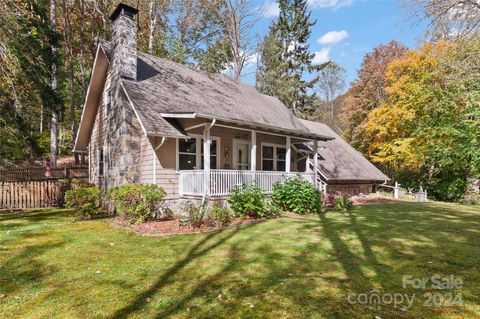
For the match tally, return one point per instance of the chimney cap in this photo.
(130, 11)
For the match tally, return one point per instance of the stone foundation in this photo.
(350, 189)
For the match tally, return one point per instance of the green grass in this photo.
(300, 267)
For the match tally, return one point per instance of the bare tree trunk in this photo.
(152, 25)
(67, 34)
(41, 119)
(72, 110)
(82, 34)
(238, 19)
(53, 120)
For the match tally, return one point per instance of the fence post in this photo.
(396, 191)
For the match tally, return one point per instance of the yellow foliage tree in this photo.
(390, 128)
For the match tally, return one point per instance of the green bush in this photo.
(342, 203)
(86, 200)
(249, 201)
(202, 215)
(137, 202)
(196, 213)
(220, 215)
(298, 196)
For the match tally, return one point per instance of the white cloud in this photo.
(333, 37)
(251, 60)
(321, 56)
(335, 4)
(271, 9)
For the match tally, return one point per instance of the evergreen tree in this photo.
(285, 57)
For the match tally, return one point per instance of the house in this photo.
(150, 120)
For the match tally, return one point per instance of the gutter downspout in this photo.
(155, 159)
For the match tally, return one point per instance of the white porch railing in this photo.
(222, 181)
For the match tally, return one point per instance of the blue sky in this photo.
(347, 29)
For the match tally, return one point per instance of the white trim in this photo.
(235, 142)
(288, 154)
(206, 160)
(194, 126)
(275, 158)
(315, 162)
(253, 151)
(88, 92)
(179, 115)
(106, 94)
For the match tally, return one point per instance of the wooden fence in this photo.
(32, 194)
(40, 173)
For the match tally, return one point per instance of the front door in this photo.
(241, 155)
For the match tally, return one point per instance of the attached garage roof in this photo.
(340, 161)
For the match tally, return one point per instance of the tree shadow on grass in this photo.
(36, 215)
(356, 240)
(24, 267)
(198, 250)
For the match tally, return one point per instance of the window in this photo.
(106, 101)
(273, 157)
(187, 154)
(281, 158)
(101, 161)
(190, 153)
(268, 158)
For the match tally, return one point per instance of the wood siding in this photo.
(97, 140)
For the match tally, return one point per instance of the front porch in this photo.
(220, 182)
(216, 156)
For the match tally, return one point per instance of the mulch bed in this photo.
(172, 227)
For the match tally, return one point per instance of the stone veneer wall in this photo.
(124, 47)
(350, 189)
(121, 132)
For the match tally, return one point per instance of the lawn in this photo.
(293, 267)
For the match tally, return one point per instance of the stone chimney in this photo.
(124, 43)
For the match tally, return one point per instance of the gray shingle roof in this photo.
(164, 86)
(340, 161)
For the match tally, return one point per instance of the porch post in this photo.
(206, 160)
(253, 151)
(288, 155)
(315, 161)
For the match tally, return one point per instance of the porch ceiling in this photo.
(247, 126)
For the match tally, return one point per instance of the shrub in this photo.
(298, 196)
(196, 213)
(137, 202)
(86, 200)
(202, 215)
(329, 200)
(343, 202)
(249, 201)
(220, 215)
(63, 186)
